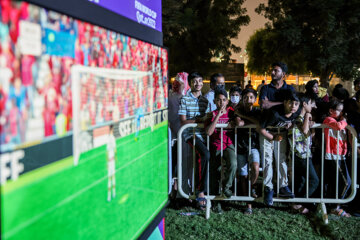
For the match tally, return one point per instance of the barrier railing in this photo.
(321, 200)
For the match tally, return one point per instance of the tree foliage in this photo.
(263, 49)
(323, 34)
(195, 31)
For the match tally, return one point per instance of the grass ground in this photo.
(62, 201)
(265, 223)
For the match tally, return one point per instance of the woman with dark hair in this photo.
(312, 87)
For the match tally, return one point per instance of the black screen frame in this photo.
(89, 12)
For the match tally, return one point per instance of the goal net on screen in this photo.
(102, 97)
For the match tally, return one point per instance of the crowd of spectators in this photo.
(283, 122)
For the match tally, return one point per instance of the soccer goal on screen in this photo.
(102, 97)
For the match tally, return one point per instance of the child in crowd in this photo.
(235, 96)
(281, 116)
(336, 150)
(250, 114)
(222, 115)
(300, 140)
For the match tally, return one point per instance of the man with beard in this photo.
(269, 94)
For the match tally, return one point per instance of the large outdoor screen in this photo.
(83, 128)
(146, 12)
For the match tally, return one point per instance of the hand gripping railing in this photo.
(248, 198)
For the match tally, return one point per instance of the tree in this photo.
(263, 49)
(195, 31)
(325, 33)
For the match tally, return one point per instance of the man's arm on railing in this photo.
(184, 121)
(198, 119)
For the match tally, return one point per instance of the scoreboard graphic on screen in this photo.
(144, 12)
(66, 87)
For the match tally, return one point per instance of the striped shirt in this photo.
(192, 108)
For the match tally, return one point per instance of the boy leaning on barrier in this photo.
(279, 118)
(300, 139)
(250, 114)
(222, 115)
(193, 108)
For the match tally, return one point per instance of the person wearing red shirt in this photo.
(221, 141)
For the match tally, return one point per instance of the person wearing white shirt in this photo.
(217, 79)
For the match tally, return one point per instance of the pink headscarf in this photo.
(181, 78)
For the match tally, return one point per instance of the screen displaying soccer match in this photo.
(83, 128)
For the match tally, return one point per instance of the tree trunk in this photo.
(324, 79)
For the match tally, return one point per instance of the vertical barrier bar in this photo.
(337, 164)
(307, 167)
(170, 177)
(322, 162)
(263, 166)
(293, 161)
(179, 161)
(278, 164)
(248, 163)
(222, 166)
(354, 162)
(194, 164)
(208, 166)
(235, 179)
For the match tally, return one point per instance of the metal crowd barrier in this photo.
(322, 201)
(170, 177)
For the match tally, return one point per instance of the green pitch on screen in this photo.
(62, 201)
